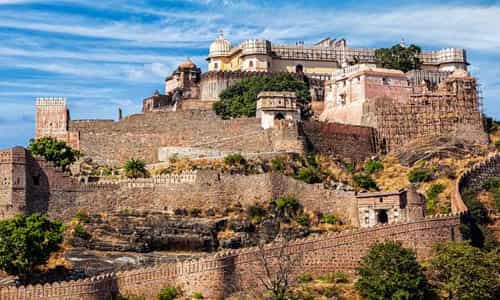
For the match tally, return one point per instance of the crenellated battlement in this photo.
(51, 101)
(210, 275)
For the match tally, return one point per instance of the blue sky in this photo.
(106, 54)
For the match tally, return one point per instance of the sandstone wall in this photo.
(346, 141)
(217, 276)
(140, 136)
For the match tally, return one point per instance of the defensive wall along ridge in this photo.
(216, 276)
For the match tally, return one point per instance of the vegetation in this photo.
(82, 216)
(303, 220)
(364, 181)
(278, 164)
(135, 168)
(256, 212)
(399, 57)
(168, 293)
(329, 219)
(55, 151)
(465, 272)
(79, 231)
(27, 242)
(431, 196)
(305, 278)
(492, 185)
(234, 159)
(240, 99)
(417, 175)
(197, 295)
(390, 271)
(373, 166)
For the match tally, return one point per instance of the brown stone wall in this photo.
(140, 136)
(345, 141)
(217, 276)
(12, 182)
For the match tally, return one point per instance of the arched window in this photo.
(299, 69)
(382, 217)
(279, 116)
(250, 64)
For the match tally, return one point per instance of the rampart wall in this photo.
(140, 136)
(219, 275)
(346, 141)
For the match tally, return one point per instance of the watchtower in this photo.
(273, 108)
(52, 118)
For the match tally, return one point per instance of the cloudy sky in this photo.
(106, 54)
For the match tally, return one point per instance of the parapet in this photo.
(51, 101)
(254, 47)
(268, 100)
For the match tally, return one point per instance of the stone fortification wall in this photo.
(341, 139)
(217, 276)
(474, 178)
(12, 181)
(140, 136)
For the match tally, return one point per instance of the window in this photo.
(250, 64)
(216, 66)
(36, 179)
(385, 81)
(381, 200)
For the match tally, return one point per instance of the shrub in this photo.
(390, 271)
(197, 295)
(431, 194)
(168, 293)
(278, 165)
(256, 211)
(79, 231)
(240, 98)
(329, 219)
(195, 212)
(335, 277)
(310, 175)
(465, 272)
(373, 166)
(27, 242)
(304, 278)
(303, 220)
(82, 216)
(287, 202)
(135, 168)
(364, 181)
(235, 159)
(55, 151)
(420, 175)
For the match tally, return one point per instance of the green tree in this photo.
(399, 57)
(240, 99)
(168, 293)
(364, 181)
(466, 272)
(390, 271)
(135, 168)
(27, 242)
(53, 150)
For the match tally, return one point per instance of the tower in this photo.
(52, 118)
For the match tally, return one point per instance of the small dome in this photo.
(220, 46)
(188, 64)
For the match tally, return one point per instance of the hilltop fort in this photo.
(359, 110)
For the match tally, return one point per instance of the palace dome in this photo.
(220, 46)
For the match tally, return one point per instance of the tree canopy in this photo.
(466, 272)
(390, 271)
(135, 168)
(399, 57)
(240, 99)
(53, 150)
(27, 242)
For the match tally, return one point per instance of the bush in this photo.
(27, 242)
(55, 151)
(287, 202)
(310, 175)
(329, 219)
(364, 181)
(305, 278)
(240, 98)
(256, 210)
(303, 220)
(335, 277)
(197, 295)
(465, 272)
(278, 165)
(82, 216)
(235, 159)
(195, 212)
(431, 194)
(80, 232)
(390, 271)
(135, 168)
(373, 166)
(168, 293)
(420, 175)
